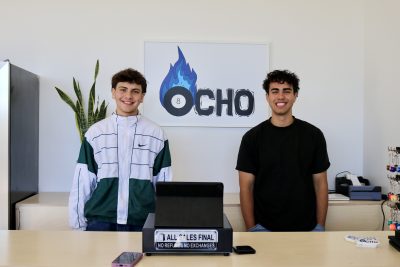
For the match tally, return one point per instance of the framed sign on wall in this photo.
(205, 84)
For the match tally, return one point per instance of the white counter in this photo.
(49, 211)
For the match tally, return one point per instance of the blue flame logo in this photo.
(179, 94)
(180, 76)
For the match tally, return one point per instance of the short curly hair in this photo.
(282, 76)
(130, 76)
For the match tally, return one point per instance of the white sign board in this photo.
(185, 239)
(206, 84)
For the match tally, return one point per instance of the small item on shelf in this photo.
(368, 243)
(363, 241)
(351, 238)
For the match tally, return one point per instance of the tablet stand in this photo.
(188, 218)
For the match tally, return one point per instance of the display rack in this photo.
(393, 197)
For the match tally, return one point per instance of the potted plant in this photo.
(94, 114)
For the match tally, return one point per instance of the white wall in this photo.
(322, 41)
(382, 92)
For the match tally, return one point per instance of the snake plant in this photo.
(95, 112)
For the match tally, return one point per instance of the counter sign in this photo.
(167, 239)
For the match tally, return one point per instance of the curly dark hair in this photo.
(281, 76)
(130, 76)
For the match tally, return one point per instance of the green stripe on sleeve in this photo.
(86, 156)
(162, 160)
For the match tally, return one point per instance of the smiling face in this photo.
(128, 97)
(281, 98)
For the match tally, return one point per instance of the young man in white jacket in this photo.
(120, 160)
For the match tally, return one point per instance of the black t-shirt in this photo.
(283, 160)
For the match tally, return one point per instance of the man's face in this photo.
(281, 98)
(128, 97)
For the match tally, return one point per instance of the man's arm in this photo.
(321, 193)
(246, 183)
(83, 185)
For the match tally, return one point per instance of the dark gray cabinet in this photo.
(19, 139)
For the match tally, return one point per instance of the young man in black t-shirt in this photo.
(282, 165)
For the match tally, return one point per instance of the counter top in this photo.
(230, 199)
(76, 248)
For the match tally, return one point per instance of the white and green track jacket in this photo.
(120, 160)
